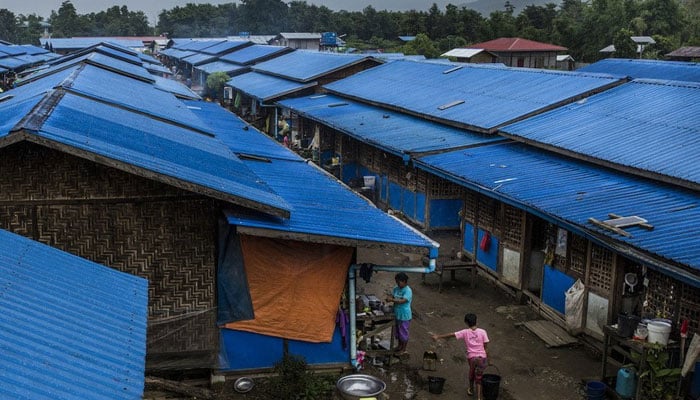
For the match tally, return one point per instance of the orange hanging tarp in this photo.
(295, 287)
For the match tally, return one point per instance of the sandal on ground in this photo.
(470, 392)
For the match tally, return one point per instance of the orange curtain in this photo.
(295, 287)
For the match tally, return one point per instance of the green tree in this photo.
(8, 26)
(66, 22)
(215, 84)
(421, 45)
(263, 17)
(624, 46)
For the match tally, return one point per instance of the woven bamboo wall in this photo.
(126, 222)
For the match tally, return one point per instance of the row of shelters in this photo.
(107, 160)
(550, 176)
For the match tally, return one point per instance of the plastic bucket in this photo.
(435, 384)
(658, 332)
(490, 384)
(595, 390)
(626, 324)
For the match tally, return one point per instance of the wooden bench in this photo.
(452, 266)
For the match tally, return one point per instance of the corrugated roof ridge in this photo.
(667, 82)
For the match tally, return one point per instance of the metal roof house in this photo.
(518, 237)
(186, 195)
(470, 55)
(72, 329)
(293, 74)
(519, 52)
(298, 40)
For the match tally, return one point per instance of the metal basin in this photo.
(357, 386)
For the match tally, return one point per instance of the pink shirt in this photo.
(474, 340)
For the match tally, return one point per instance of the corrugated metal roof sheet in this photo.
(31, 49)
(174, 153)
(117, 53)
(320, 206)
(646, 125)
(575, 191)
(301, 35)
(180, 54)
(79, 43)
(135, 95)
(221, 66)
(199, 45)
(654, 69)
(515, 44)
(304, 66)
(13, 62)
(236, 133)
(156, 68)
(225, 47)
(12, 49)
(175, 87)
(199, 58)
(72, 329)
(251, 54)
(394, 132)
(475, 96)
(463, 53)
(265, 87)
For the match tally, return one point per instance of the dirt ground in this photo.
(528, 369)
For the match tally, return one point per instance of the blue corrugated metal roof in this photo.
(574, 191)
(199, 58)
(265, 87)
(133, 94)
(117, 53)
(394, 132)
(199, 45)
(148, 58)
(173, 153)
(645, 125)
(230, 129)
(249, 55)
(320, 206)
(31, 49)
(221, 66)
(475, 96)
(79, 43)
(175, 87)
(72, 329)
(304, 66)
(3, 70)
(13, 62)
(156, 68)
(12, 49)
(180, 54)
(225, 47)
(654, 69)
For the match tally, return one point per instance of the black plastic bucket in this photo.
(435, 384)
(626, 324)
(490, 384)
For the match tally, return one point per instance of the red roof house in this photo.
(519, 52)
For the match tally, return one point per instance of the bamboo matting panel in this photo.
(578, 249)
(128, 223)
(690, 308)
(601, 272)
(661, 296)
(513, 220)
(471, 199)
(442, 188)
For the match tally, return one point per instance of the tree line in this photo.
(583, 26)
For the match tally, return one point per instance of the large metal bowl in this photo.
(357, 386)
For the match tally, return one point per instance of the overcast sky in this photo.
(153, 7)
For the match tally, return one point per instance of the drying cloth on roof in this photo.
(295, 287)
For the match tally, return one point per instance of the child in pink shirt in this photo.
(475, 340)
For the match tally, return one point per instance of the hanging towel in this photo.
(485, 242)
(366, 272)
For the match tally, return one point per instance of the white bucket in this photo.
(658, 332)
